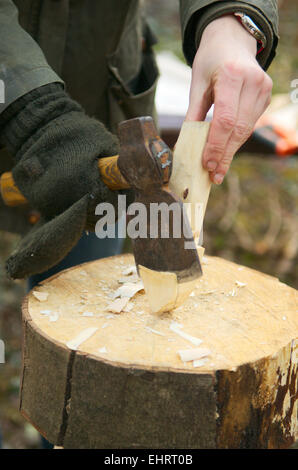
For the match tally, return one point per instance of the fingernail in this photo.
(218, 178)
(211, 165)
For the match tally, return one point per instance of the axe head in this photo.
(162, 239)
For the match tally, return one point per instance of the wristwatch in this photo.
(252, 28)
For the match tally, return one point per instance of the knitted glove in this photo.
(56, 149)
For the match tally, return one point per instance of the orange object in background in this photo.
(280, 141)
(276, 132)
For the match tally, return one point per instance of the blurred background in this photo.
(251, 219)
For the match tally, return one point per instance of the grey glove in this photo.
(56, 148)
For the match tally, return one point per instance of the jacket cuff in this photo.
(17, 85)
(199, 19)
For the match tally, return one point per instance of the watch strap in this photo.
(252, 28)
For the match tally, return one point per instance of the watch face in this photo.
(252, 28)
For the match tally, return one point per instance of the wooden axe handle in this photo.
(110, 173)
(108, 169)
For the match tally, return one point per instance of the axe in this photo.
(166, 255)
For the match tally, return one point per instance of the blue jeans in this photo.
(89, 248)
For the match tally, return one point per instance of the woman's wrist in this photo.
(228, 28)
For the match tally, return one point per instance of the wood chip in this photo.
(129, 270)
(87, 314)
(103, 350)
(133, 278)
(81, 338)
(41, 296)
(154, 331)
(240, 284)
(200, 362)
(45, 312)
(128, 290)
(208, 292)
(175, 327)
(54, 317)
(129, 306)
(187, 355)
(117, 305)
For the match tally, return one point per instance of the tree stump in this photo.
(94, 379)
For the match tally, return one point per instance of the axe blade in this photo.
(172, 247)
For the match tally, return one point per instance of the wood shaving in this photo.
(187, 355)
(128, 290)
(129, 270)
(129, 306)
(232, 293)
(81, 338)
(117, 305)
(54, 317)
(41, 296)
(200, 362)
(45, 312)
(240, 284)
(133, 278)
(103, 350)
(154, 331)
(88, 314)
(175, 327)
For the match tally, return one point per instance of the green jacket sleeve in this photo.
(23, 66)
(197, 14)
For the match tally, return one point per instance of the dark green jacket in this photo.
(101, 50)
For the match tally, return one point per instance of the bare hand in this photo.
(225, 72)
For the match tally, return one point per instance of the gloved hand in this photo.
(56, 148)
